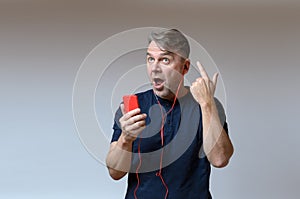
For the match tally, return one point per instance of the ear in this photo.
(186, 66)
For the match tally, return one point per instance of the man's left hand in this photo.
(203, 89)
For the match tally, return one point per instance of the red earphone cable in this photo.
(137, 169)
(162, 144)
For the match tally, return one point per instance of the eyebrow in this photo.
(162, 54)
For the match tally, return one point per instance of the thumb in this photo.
(122, 108)
(215, 79)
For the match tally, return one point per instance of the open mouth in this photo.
(158, 83)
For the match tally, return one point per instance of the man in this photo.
(171, 159)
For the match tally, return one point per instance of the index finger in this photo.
(202, 70)
(129, 114)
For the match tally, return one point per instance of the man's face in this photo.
(165, 70)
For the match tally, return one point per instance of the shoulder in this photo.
(145, 94)
(145, 98)
(222, 114)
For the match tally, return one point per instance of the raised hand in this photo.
(203, 89)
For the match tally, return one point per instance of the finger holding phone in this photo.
(133, 121)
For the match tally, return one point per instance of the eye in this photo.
(150, 59)
(166, 60)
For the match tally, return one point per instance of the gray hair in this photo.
(171, 40)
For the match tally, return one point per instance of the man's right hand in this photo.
(132, 123)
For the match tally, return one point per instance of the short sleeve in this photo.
(117, 127)
(222, 114)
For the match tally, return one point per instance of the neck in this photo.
(182, 91)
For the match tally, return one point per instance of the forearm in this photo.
(216, 143)
(118, 159)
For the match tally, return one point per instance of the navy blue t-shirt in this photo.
(185, 168)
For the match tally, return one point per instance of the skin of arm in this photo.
(118, 159)
(216, 143)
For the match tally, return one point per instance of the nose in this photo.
(155, 67)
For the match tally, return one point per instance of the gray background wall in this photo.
(42, 44)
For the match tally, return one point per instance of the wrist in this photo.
(208, 108)
(125, 143)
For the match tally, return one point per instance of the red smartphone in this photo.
(130, 102)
